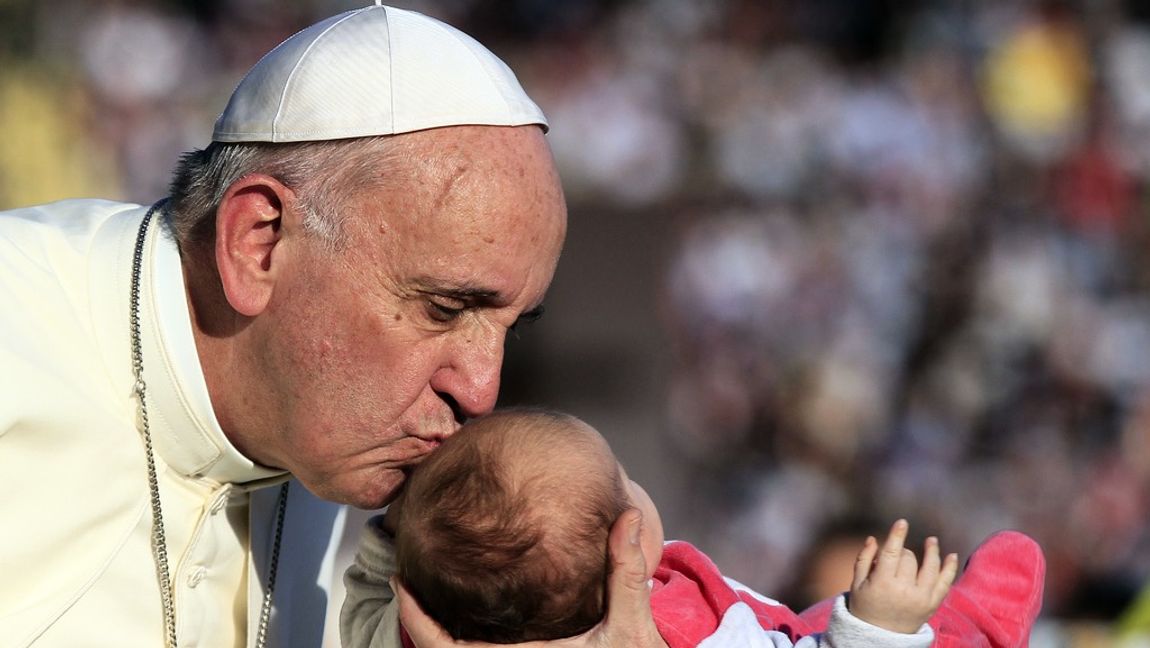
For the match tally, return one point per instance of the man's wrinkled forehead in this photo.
(474, 169)
(450, 157)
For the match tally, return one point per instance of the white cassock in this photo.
(76, 563)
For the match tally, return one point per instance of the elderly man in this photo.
(324, 296)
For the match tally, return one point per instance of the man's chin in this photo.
(364, 489)
(376, 493)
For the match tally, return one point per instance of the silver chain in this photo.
(159, 541)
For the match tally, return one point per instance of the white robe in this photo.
(76, 565)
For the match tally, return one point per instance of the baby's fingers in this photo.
(945, 579)
(931, 563)
(865, 561)
(892, 550)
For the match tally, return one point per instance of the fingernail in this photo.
(634, 529)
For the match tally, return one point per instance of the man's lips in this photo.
(433, 429)
(429, 447)
(409, 451)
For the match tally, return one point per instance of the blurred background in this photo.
(830, 262)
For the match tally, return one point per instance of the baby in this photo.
(501, 536)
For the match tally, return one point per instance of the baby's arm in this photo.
(369, 618)
(891, 591)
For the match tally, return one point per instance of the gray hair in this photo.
(322, 174)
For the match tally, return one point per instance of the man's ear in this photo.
(249, 229)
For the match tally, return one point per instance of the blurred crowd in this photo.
(907, 276)
(919, 288)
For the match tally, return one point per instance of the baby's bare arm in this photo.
(891, 591)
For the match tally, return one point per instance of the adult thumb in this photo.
(629, 621)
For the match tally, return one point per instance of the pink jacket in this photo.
(993, 605)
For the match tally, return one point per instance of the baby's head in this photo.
(502, 535)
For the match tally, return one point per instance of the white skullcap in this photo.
(373, 71)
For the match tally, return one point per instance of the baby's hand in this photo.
(890, 591)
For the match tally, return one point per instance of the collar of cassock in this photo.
(185, 431)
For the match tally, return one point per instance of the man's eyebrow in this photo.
(455, 291)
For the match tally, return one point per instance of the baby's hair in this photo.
(503, 532)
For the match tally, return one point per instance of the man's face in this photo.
(375, 353)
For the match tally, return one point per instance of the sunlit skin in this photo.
(347, 368)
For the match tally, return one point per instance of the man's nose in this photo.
(470, 381)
